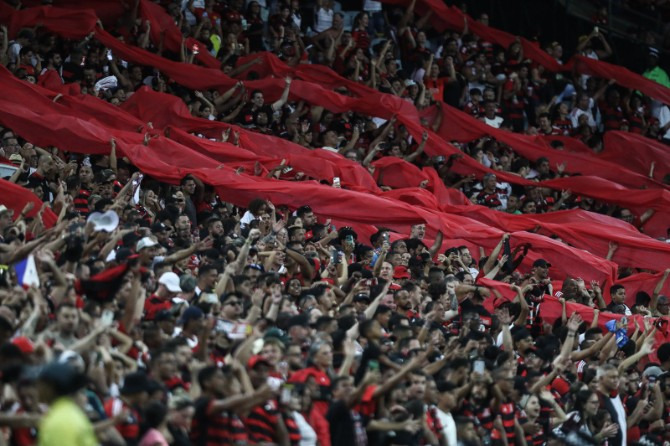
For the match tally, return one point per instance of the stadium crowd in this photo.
(158, 314)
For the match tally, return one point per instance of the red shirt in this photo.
(153, 305)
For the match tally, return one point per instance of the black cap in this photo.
(158, 227)
(362, 297)
(541, 263)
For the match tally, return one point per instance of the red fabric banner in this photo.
(16, 197)
(69, 125)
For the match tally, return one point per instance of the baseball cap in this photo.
(541, 263)
(146, 242)
(16, 157)
(362, 297)
(158, 227)
(257, 359)
(171, 282)
(191, 314)
(654, 371)
(4, 209)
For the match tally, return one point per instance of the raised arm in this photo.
(284, 96)
(659, 287)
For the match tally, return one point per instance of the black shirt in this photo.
(346, 425)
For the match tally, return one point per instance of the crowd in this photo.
(159, 314)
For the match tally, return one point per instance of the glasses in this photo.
(234, 303)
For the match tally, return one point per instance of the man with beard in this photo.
(53, 71)
(215, 227)
(402, 301)
(307, 216)
(182, 229)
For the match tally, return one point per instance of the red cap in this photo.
(257, 359)
(401, 272)
(24, 344)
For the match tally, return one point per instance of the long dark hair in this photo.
(581, 399)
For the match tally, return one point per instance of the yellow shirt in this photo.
(66, 424)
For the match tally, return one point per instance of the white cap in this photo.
(146, 242)
(106, 222)
(4, 209)
(171, 281)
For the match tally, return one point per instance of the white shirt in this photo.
(621, 417)
(247, 218)
(307, 434)
(577, 112)
(448, 427)
(663, 119)
(495, 122)
(324, 19)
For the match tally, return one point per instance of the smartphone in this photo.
(624, 320)
(286, 394)
(335, 257)
(373, 365)
(107, 317)
(387, 236)
(479, 366)
(336, 182)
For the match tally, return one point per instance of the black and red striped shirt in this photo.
(262, 423)
(130, 427)
(508, 413)
(213, 429)
(81, 201)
